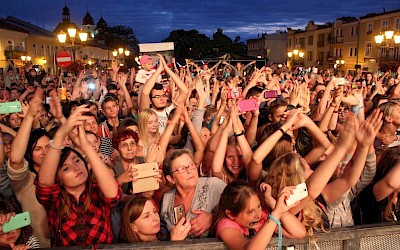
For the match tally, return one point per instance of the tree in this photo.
(189, 44)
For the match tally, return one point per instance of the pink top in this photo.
(227, 223)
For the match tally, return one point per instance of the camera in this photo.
(234, 93)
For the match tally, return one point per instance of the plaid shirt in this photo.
(81, 228)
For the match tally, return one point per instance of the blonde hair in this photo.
(288, 170)
(387, 109)
(144, 117)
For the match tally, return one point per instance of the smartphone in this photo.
(354, 86)
(341, 81)
(270, 94)
(248, 105)
(10, 107)
(17, 221)
(299, 193)
(234, 93)
(146, 177)
(315, 70)
(179, 213)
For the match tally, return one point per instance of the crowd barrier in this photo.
(383, 236)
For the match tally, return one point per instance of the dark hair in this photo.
(112, 86)
(109, 98)
(6, 207)
(275, 105)
(126, 122)
(33, 139)
(65, 197)
(389, 158)
(157, 86)
(253, 92)
(123, 135)
(234, 198)
(170, 158)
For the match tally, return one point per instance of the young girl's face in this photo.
(7, 238)
(152, 124)
(40, 150)
(149, 221)
(15, 120)
(234, 160)
(73, 172)
(250, 217)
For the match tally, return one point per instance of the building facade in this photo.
(370, 53)
(271, 46)
(309, 47)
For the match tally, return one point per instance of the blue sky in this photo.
(152, 20)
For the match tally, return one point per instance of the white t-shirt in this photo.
(163, 117)
(142, 76)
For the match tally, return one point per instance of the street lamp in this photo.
(295, 56)
(118, 53)
(26, 58)
(386, 39)
(62, 36)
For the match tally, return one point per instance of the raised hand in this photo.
(267, 191)
(114, 66)
(368, 130)
(180, 230)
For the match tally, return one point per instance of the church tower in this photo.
(88, 25)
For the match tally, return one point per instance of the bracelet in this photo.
(335, 112)
(54, 147)
(333, 106)
(283, 131)
(278, 222)
(237, 135)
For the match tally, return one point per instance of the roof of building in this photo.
(370, 15)
(27, 27)
(8, 26)
(88, 19)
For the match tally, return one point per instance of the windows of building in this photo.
(309, 56)
(10, 45)
(353, 52)
(397, 24)
(385, 24)
(368, 49)
(370, 27)
(34, 49)
(310, 40)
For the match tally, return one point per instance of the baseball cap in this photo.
(145, 59)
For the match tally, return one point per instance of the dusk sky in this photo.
(152, 20)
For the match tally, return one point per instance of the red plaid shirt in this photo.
(80, 228)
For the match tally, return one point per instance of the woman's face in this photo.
(40, 150)
(73, 172)
(94, 141)
(94, 110)
(152, 124)
(252, 214)
(148, 223)
(7, 238)
(189, 177)
(127, 149)
(233, 160)
(15, 120)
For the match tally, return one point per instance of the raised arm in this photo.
(220, 151)
(48, 169)
(19, 145)
(146, 91)
(365, 136)
(183, 89)
(238, 128)
(255, 168)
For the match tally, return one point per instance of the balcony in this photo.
(14, 54)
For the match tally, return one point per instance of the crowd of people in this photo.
(78, 152)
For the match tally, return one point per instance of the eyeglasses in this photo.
(159, 96)
(182, 170)
(125, 145)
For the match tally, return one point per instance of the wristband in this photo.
(283, 131)
(54, 147)
(278, 222)
(335, 112)
(237, 135)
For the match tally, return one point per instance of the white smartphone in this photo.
(299, 193)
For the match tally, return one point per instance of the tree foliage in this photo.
(119, 36)
(192, 44)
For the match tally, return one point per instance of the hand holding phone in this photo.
(179, 213)
(10, 107)
(248, 105)
(299, 193)
(16, 222)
